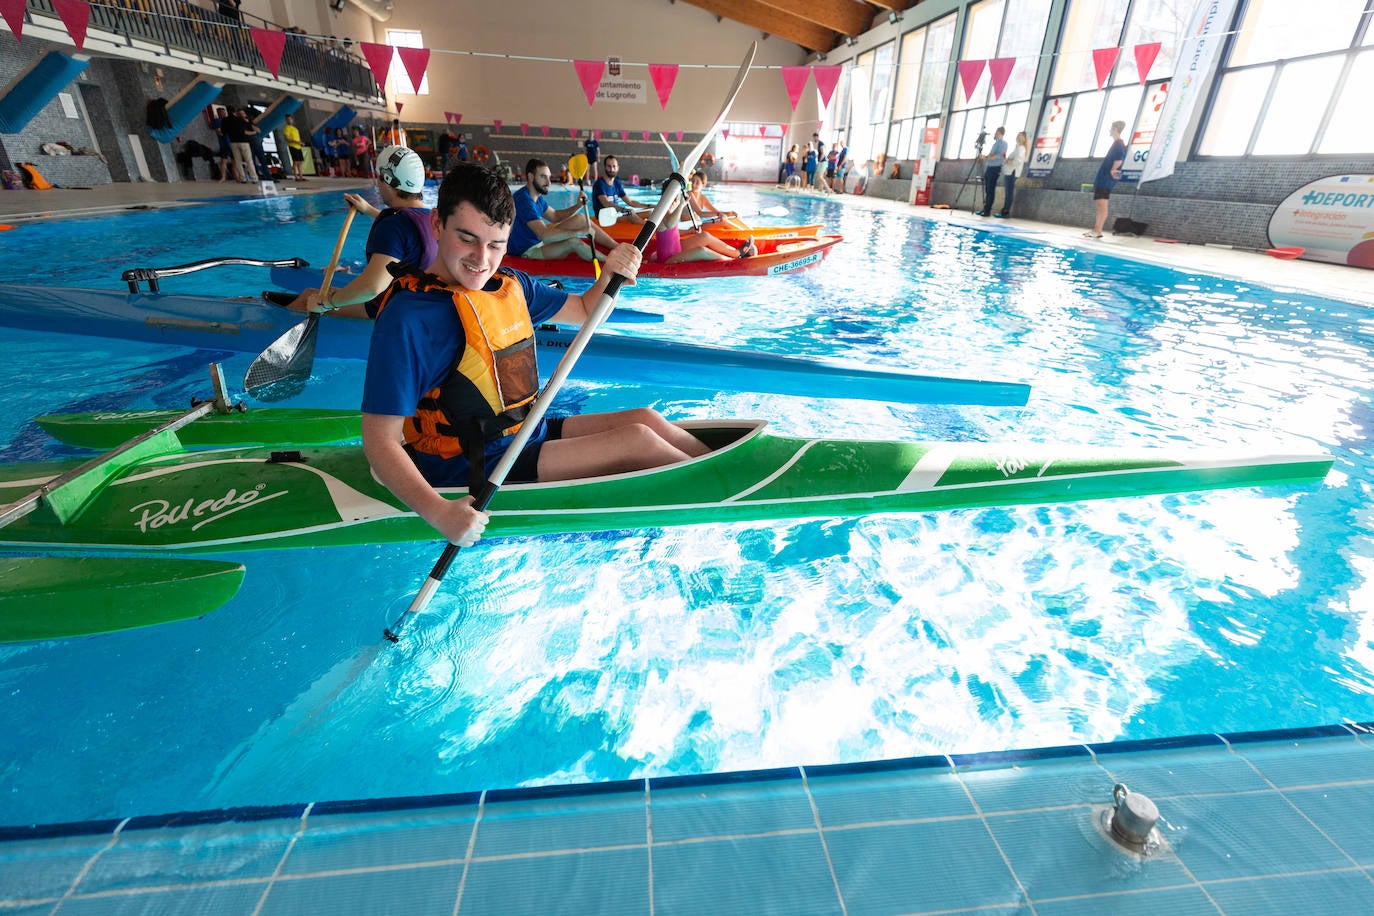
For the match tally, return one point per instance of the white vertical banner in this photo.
(1206, 33)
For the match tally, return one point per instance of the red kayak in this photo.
(775, 256)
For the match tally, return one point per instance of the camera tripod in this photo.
(973, 170)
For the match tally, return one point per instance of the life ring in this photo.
(707, 159)
(480, 154)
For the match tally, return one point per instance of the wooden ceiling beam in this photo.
(847, 17)
(787, 26)
(896, 6)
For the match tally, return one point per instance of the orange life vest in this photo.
(494, 379)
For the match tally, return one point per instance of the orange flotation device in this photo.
(34, 179)
(480, 154)
(708, 159)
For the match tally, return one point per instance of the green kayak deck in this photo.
(239, 498)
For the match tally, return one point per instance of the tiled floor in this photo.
(1251, 824)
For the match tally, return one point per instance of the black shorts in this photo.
(526, 467)
(297, 155)
(1101, 193)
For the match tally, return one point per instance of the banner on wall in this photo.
(615, 86)
(1045, 147)
(1138, 152)
(1206, 34)
(1332, 218)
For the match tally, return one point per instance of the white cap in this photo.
(400, 167)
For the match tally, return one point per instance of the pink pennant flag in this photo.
(544, 128)
(597, 134)
(458, 119)
(624, 135)
(378, 57)
(827, 78)
(1000, 70)
(572, 132)
(415, 60)
(644, 134)
(589, 73)
(763, 130)
(663, 75)
(1144, 59)
(13, 11)
(496, 125)
(1103, 60)
(76, 15)
(270, 42)
(678, 135)
(448, 116)
(524, 129)
(794, 79)
(398, 107)
(970, 72)
(724, 133)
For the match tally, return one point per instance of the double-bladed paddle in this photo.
(577, 168)
(671, 188)
(281, 371)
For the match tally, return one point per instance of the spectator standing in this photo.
(1016, 161)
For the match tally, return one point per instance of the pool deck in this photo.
(1250, 824)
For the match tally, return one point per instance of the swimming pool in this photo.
(724, 647)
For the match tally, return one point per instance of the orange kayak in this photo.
(727, 230)
(775, 256)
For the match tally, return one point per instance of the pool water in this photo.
(717, 647)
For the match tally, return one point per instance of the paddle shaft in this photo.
(338, 253)
(672, 187)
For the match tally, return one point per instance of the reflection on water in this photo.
(732, 646)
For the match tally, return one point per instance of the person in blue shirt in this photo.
(1108, 174)
(591, 146)
(609, 192)
(462, 147)
(542, 232)
(992, 169)
(451, 371)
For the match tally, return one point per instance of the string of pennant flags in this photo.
(271, 43)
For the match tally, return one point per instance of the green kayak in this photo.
(238, 498)
(258, 426)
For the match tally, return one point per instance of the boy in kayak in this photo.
(451, 371)
(400, 232)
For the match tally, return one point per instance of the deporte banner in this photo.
(1332, 218)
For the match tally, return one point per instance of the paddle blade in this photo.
(774, 211)
(60, 597)
(577, 167)
(281, 371)
(607, 216)
(1285, 254)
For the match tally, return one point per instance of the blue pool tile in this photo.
(231, 900)
(724, 810)
(34, 869)
(402, 890)
(341, 842)
(1243, 836)
(1331, 892)
(1344, 813)
(562, 824)
(783, 875)
(909, 795)
(1049, 783)
(1312, 762)
(1188, 771)
(1062, 854)
(912, 868)
(143, 858)
(613, 881)
(1173, 901)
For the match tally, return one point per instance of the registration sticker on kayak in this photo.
(785, 266)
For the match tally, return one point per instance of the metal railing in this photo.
(211, 37)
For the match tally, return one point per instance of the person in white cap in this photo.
(400, 232)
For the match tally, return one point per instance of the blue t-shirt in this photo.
(998, 154)
(1114, 155)
(527, 208)
(397, 235)
(591, 145)
(611, 190)
(415, 342)
(462, 151)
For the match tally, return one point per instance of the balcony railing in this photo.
(210, 37)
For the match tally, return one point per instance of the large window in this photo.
(923, 69)
(397, 79)
(1274, 93)
(997, 29)
(1092, 25)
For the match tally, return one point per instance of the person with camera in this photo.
(992, 169)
